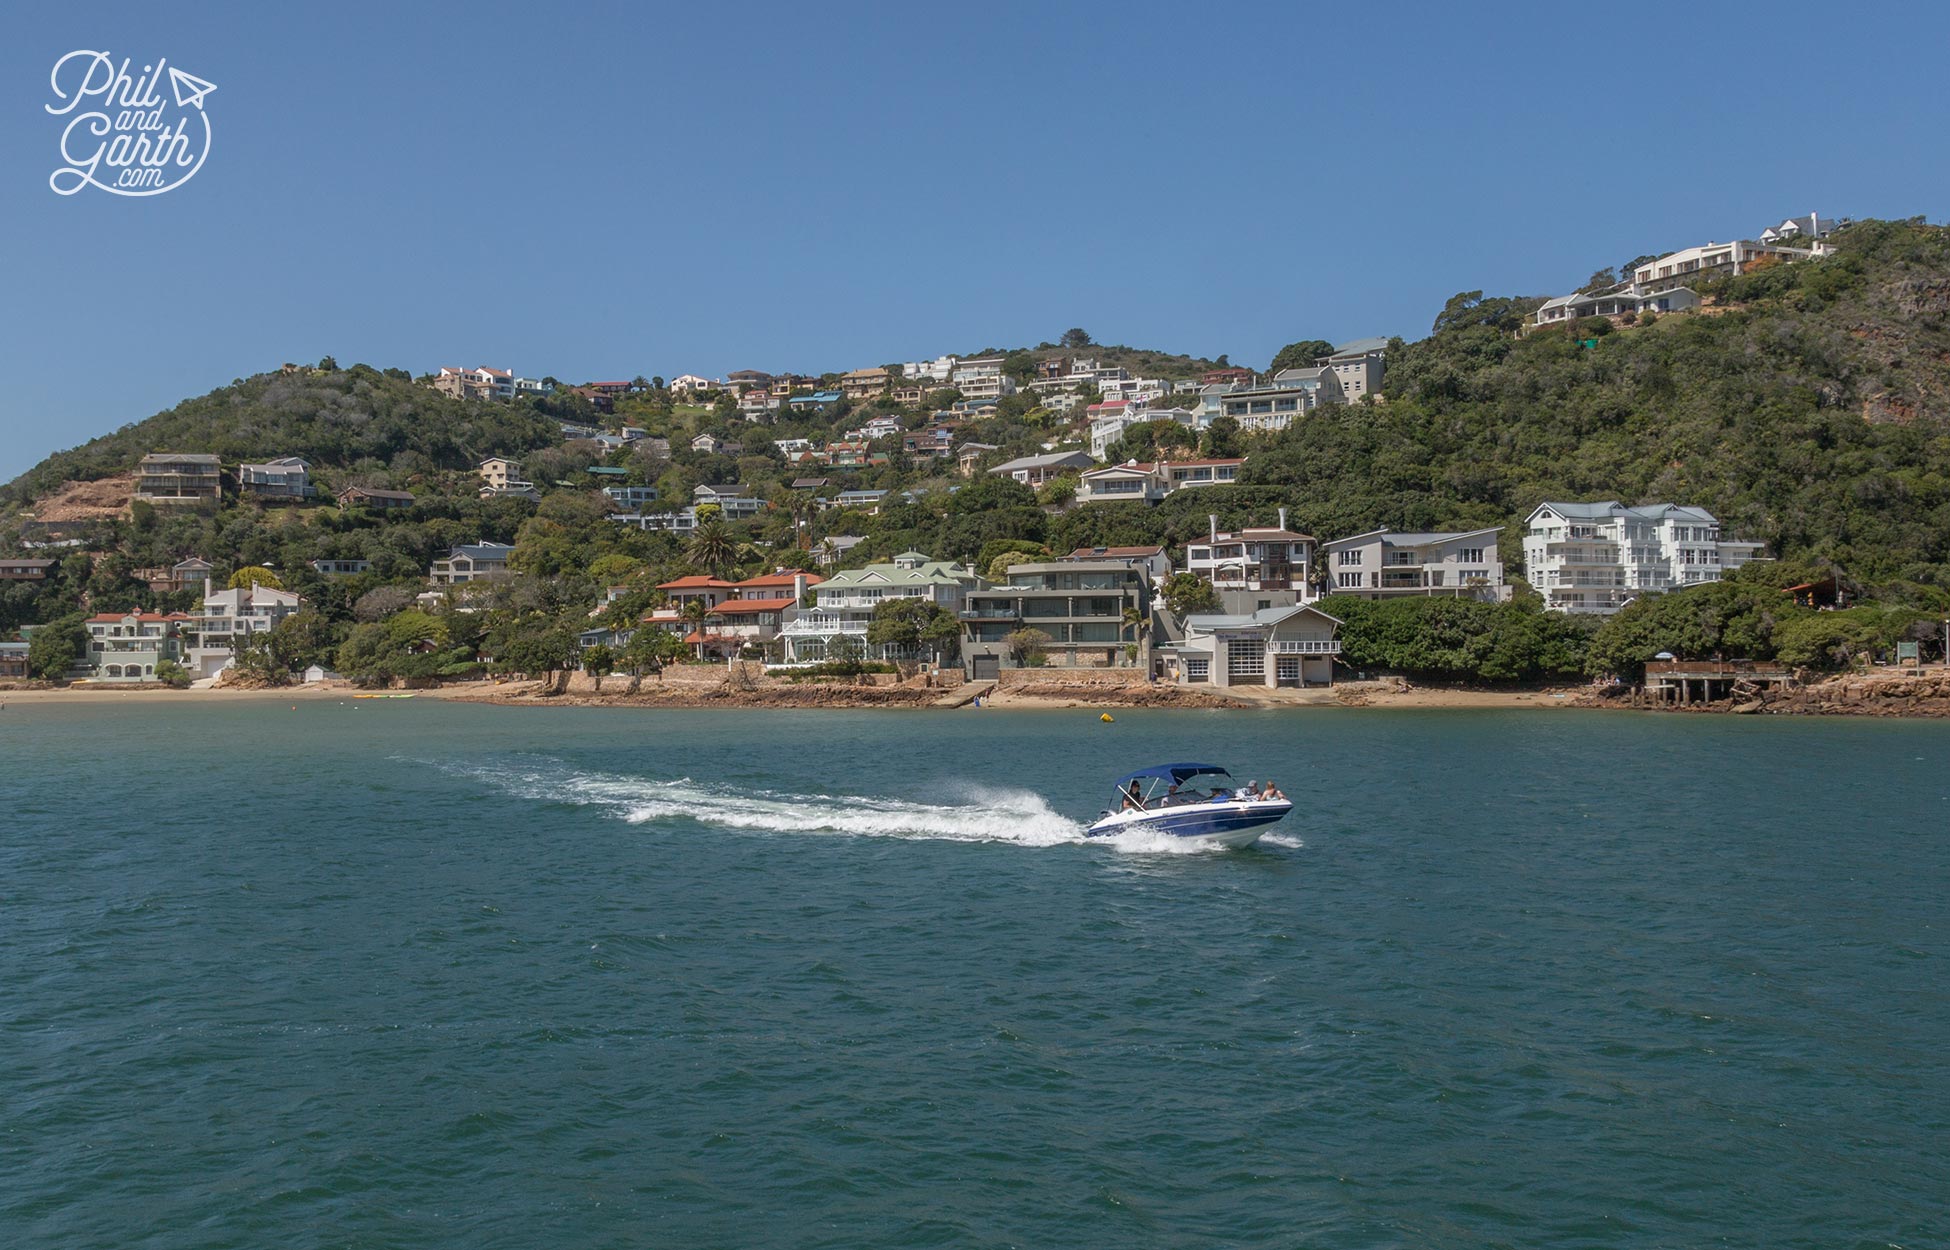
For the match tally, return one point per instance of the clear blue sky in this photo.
(605, 190)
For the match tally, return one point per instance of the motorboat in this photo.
(1193, 801)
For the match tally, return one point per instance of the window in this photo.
(1470, 555)
(1348, 559)
(1349, 580)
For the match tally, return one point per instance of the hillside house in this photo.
(1386, 565)
(171, 478)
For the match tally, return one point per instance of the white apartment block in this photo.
(1683, 267)
(1388, 565)
(1597, 557)
(982, 378)
(940, 369)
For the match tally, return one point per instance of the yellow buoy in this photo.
(1106, 718)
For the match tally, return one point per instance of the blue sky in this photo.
(604, 190)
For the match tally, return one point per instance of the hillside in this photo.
(359, 421)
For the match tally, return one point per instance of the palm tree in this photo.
(712, 549)
(802, 506)
(693, 613)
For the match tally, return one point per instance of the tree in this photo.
(1602, 280)
(538, 653)
(255, 575)
(911, 625)
(599, 662)
(651, 651)
(381, 602)
(711, 548)
(1028, 646)
(1058, 491)
(1075, 337)
(1301, 355)
(1019, 365)
(57, 647)
(172, 674)
(1187, 593)
(693, 613)
(1222, 437)
(1468, 308)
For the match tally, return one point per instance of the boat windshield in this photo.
(1155, 792)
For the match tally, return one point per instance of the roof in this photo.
(1176, 774)
(740, 607)
(378, 494)
(1606, 509)
(1114, 553)
(1360, 347)
(927, 573)
(1210, 621)
(608, 470)
(1258, 534)
(696, 581)
(1049, 461)
(778, 579)
(481, 551)
(1412, 539)
(188, 457)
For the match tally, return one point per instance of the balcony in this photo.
(1304, 646)
(819, 626)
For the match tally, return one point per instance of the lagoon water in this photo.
(376, 974)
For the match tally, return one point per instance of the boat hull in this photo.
(1217, 824)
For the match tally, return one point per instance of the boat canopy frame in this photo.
(1175, 774)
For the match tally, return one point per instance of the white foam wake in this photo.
(976, 813)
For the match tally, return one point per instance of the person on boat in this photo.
(1270, 792)
(1171, 795)
(1133, 798)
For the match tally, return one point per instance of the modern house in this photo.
(1255, 567)
(1689, 265)
(968, 457)
(846, 603)
(228, 620)
(479, 382)
(1387, 565)
(631, 497)
(1034, 471)
(340, 568)
(880, 427)
(691, 384)
(1153, 560)
(377, 500)
(937, 371)
(13, 661)
(1813, 226)
(1080, 606)
(513, 490)
(1597, 557)
(1357, 366)
(734, 502)
(1273, 405)
(288, 477)
(471, 562)
(1616, 302)
(179, 478)
(982, 378)
(1152, 481)
(1293, 645)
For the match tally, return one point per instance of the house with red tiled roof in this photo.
(127, 646)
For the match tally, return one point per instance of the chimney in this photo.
(798, 588)
(1213, 518)
(1282, 518)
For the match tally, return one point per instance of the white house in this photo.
(1254, 560)
(846, 601)
(1274, 405)
(940, 369)
(1036, 470)
(1387, 565)
(287, 477)
(982, 378)
(1597, 557)
(691, 384)
(1685, 266)
(1152, 481)
(1616, 302)
(229, 619)
(471, 562)
(1292, 645)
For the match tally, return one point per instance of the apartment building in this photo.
(1357, 367)
(227, 621)
(982, 378)
(179, 478)
(1079, 605)
(1597, 557)
(866, 383)
(1385, 565)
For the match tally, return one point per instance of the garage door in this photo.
(1246, 658)
(985, 668)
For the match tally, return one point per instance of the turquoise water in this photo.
(410, 974)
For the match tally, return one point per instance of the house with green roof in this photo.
(845, 604)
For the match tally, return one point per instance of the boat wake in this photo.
(975, 814)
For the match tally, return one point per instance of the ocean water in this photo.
(406, 974)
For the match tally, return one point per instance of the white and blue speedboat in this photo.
(1193, 801)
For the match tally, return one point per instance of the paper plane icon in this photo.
(189, 89)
